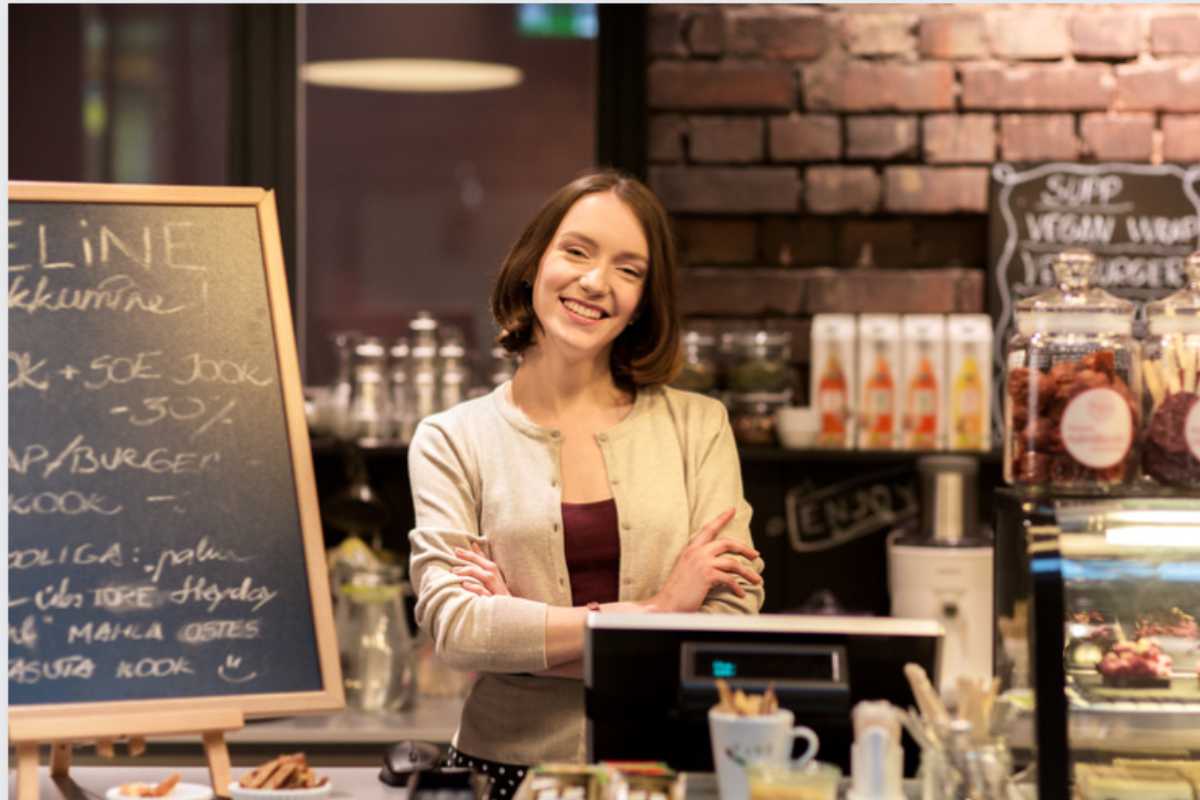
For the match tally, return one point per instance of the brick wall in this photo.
(783, 139)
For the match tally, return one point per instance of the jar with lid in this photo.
(455, 378)
(752, 416)
(423, 373)
(339, 402)
(761, 362)
(503, 366)
(1170, 368)
(401, 391)
(370, 416)
(1072, 406)
(699, 372)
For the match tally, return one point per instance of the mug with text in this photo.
(739, 741)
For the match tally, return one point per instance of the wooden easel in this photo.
(61, 733)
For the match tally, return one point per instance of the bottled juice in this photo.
(880, 379)
(924, 348)
(969, 371)
(832, 378)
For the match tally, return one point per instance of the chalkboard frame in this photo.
(331, 696)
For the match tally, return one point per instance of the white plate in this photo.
(238, 792)
(182, 791)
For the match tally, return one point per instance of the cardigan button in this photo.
(626, 525)
(556, 527)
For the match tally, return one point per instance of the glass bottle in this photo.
(879, 403)
(1072, 385)
(1171, 365)
(966, 397)
(922, 405)
(833, 403)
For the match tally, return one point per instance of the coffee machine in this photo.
(942, 570)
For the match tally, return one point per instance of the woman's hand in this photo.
(481, 575)
(703, 564)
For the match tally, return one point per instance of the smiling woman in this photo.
(584, 484)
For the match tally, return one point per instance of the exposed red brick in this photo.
(1038, 137)
(722, 86)
(881, 136)
(783, 33)
(878, 34)
(1029, 33)
(704, 241)
(798, 241)
(742, 291)
(1099, 34)
(1029, 87)
(891, 242)
(1159, 86)
(935, 190)
(1181, 137)
(900, 291)
(664, 34)
(1175, 34)
(841, 190)
(726, 190)
(804, 137)
(885, 86)
(665, 137)
(953, 36)
(957, 241)
(959, 138)
(706, 34)
(1118, 137)
(726, 139)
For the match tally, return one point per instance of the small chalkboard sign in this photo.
(165, 548)
(1140, 220)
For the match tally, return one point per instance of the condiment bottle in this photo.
(1170, 368)
(1072, 384)
(832, 383)
(879, 367)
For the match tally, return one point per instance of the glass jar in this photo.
(339, 401)
(370, 416)
(699, 373)
(376, 647)
(503, 366)
(1170, 365)
(454, 376)
(753, 416)
(762, 362)
(423, 373)
(1071, 394)
(401, 391)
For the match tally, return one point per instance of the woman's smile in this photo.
(585, 312)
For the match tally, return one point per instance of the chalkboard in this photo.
(1140, 220)
(165, 549)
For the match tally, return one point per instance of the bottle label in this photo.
(924, 403)
(879, 401)
(969, 402)
(1191, 430)
(833, 401)
(1097, 428)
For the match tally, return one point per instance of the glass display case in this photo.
(1114, 641)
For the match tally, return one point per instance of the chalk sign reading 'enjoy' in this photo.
(155, 545)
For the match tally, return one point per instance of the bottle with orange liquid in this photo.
(924, 361)
(832, 381)
(879, 379)
(922, 410)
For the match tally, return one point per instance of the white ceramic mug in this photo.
(740, 741)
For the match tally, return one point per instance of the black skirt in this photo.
(505, 778)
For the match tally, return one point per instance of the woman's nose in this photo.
(594, 280)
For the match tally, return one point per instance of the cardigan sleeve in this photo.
(717, 487)
(488, 634)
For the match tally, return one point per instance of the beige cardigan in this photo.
(483, 472)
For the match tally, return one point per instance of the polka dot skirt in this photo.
(505, 777)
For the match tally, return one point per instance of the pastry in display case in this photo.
(1116, 586)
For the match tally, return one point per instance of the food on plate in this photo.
(161, 789)
(284, 772)
(1175, 622)
(1141, 664)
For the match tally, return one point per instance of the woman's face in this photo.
(591, 277)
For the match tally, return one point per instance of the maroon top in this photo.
(593, 547)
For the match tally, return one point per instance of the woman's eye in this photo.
(579, 252)
(632, 272)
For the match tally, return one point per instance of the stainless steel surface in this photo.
(948, 508)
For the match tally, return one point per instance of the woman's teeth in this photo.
(582, 310)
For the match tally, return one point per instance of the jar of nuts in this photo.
(1171, 440)
(1072, 408)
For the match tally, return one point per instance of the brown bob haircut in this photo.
(647, 352)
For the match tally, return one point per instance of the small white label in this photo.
(1191, 430)
(1097, 428)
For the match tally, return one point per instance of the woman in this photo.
(584, 483)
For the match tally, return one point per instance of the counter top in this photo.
(432, 719)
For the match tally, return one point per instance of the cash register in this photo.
(649, 679)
